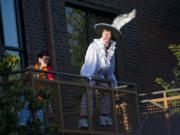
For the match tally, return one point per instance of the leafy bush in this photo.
(11, 102)
(176, 72)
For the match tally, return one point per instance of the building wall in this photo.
(36, 31)
(145, 42)
(157, 29)
(34, 27)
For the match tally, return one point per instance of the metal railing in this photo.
(68, 90)
(164, 112)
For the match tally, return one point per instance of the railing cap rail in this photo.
(68, 75)
(159, 92)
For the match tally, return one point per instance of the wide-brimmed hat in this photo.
(117, 24)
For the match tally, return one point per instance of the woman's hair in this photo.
(40, 55)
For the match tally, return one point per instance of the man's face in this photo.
(106, 36)
(44, 61)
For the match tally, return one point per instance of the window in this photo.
(80, 27)
(76, 27)
(10, 31)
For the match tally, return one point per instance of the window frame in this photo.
(87, 9)
(21, 49)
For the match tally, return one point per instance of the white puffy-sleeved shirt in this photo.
(99, 62)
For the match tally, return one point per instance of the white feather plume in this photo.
(123, 19)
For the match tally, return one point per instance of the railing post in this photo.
(60, 106)
(88, 108)
(33, 88)
(125, 116)
(165, 100)
(114, 110)
(137, 110)
(166, 113)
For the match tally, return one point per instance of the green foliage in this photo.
(176, 71)
(52, 129)
(11, 104)
(175, 82)
(8, 62)
(14, 96)
(164, 84)
(176, 52)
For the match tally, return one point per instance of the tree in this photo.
(11, 102)
(176, 71)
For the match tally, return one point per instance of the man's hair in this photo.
(106, 30)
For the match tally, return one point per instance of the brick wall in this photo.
(60, 35)
(34, 27)
(158, 26)
(145, 43)
(36, 32)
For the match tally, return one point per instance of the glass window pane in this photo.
(9, 23)
(76, 27)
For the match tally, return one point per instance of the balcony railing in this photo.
(68, 90)
(164, 112)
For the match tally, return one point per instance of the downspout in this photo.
(50, 36)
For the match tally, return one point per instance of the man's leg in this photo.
(106, 103)
(106, 107)
(83, 109)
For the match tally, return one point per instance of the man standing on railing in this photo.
(100, 63)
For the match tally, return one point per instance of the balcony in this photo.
(162, 112)
(65, 106)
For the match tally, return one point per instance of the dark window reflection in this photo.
(76, 26)
(9, 22)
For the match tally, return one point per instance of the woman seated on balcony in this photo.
(42, 64)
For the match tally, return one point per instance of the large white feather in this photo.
(121, 20)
